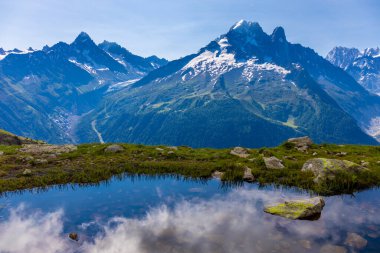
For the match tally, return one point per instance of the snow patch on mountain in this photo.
(217, 64)
(374, 128)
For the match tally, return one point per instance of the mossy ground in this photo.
(90, 164)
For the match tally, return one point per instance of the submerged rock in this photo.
(302, 143)
(114, 149)
(323, 168)
(298, 209)
(328, 248)
(37, 149)
(240, 152)
(356, 241)
(273, 163)
(248, 175)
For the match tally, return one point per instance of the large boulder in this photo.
(240, 152)
(114, 149)
(38, 149)
(273, 163)
(302, 143)
(324, 168)
(298, 209)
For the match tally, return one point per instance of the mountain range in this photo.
(44, 92)
(245, 88)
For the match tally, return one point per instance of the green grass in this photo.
(90, 164)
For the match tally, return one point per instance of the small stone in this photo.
(364, 163)
(171, 152)
(240, 152)
(40, 161)
(341, 154)
(373, 235)
(217, 174)
(315, 154)
(248, 175)
(27, 172)
(173, 147)
(1, 153)
(114, 149)
(328, 248)
(356, 241)
(305, 243)
(302, 143)
(74, 236)
(273, 163)
(160, 149)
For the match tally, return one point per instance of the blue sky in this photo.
(174, 28)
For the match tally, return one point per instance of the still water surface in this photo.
(166, 214)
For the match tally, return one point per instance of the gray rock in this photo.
(27, 172)
(356, 241)
(173, 148)
(217, 174)
(40, 161)
(248, 175)
(323, 168)
(273, 163)
(298, 209)
(1, 153)
(160, 149)
(114, 149)
(328, 248)
(240, 152)
(302, 143)
(37, 149)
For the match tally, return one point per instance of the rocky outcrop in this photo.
(114, 149)
(273, 163)
(240, 152)
(355, 241)
(298, 209)
(38, 149)
(323, 168)
(7, 138)
(301, 144)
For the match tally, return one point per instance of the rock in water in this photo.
(298, 209)
(273, 163)
(356, 241)
(114, 149)
(328, 248)
(240, 152)
(323, 168)
(74, 236)
(301, 144)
